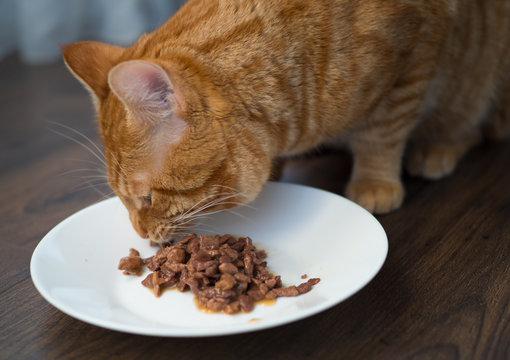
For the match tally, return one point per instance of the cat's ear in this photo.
(146, 89)
(90, 62)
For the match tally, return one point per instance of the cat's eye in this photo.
(147, 199)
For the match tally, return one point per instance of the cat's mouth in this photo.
(168, 233)
(160, 232)
(159, 239)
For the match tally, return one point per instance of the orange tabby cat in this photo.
(193, 114)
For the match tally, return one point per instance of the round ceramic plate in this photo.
(303, 230)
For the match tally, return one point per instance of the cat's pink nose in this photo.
(139, 228)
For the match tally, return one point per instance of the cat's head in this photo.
(170, 148)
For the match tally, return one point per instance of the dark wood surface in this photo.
(443, 293)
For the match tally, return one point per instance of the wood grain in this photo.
(443, 293)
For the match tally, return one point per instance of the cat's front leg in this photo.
(378, 142)
(375, 181)
(378, 146)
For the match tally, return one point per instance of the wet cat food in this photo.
(132, 264)
(224, 273)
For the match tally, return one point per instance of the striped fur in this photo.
(261, 79)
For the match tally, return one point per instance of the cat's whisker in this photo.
(219, 203)
(231, 189)
(185, 214)
(107, 196)
(93, 184)
(85, 146)
(98, 180)
(94, 151)
(174, 223)
(187, 230)
(93, 177)
(240, 215)
(160, 237)
(92, 162)
(192, 229)
(239, 204)
(90, 185)
(117, 162)
(192, 210)
(184, 224)
(208, 197)
(81, 170)
(215, 201)
(80, 134)
(90, 181)
(96, 177)
(97, 167)
(188, 224)
(207, 214)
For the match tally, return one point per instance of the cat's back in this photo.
(323, 63)
(312, 62)
(225, 29)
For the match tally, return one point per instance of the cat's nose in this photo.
(139, 228)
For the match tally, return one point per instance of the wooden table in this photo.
(443, 293)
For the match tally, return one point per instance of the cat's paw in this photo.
(432, 161)
(376, 196)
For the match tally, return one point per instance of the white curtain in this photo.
(35, 28)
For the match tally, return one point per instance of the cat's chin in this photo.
(157, 238)
(163, 243)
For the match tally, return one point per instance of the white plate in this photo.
(304, 231)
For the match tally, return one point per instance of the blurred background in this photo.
(35, 28)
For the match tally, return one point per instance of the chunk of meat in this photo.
(226, 282)
(224, 273)
(131, 264)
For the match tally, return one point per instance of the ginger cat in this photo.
(193, 114)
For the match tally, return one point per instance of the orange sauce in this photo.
(265, 302)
